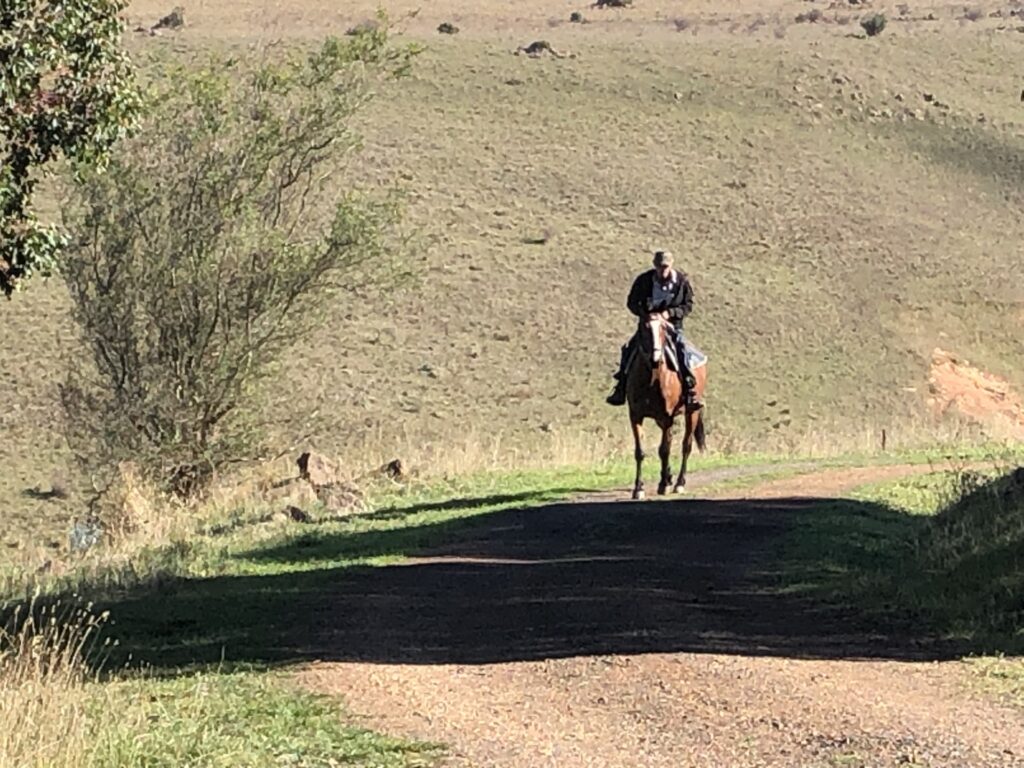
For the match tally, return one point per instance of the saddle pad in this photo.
(694, 357)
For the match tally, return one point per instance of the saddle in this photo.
(694, 357)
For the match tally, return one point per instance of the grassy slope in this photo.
(830, 251)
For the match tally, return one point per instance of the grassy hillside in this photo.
(836, 224)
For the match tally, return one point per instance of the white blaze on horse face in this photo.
(655, 325)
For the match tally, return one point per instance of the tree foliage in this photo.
(210, 243)
(66, 90)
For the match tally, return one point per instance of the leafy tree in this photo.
(210, 244)
(66, 90)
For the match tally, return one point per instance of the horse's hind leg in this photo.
(665, 454)
(638, 452)
(687, 447)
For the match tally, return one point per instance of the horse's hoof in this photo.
(679, 490)
(662, 489)
(638, 495)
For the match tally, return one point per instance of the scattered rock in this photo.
(393, 469)
(429, 371)
(576, 17)
(810, 17)
(173, 20)
(540, 239)
(317, 469)
(296, 514)
(447, 28)
(85, 534)
(613, 3)
(54, 493)
(363, 27)
(539, 48)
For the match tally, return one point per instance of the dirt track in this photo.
(602, 633)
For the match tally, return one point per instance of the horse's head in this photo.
(653, 337)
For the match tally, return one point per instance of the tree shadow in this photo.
(534, 583)
(473, 502)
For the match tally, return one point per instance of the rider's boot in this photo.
(690, 385)
(689, 380)
(618, 395)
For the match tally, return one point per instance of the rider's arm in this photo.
(682, 303)
(637, 300)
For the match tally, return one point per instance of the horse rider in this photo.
(661, 289)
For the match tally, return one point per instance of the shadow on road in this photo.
(561, 580)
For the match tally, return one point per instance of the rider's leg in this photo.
(689, 380)
(618, 396)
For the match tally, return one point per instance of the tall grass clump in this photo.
(45, 665)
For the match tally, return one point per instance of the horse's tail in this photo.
(698, 432)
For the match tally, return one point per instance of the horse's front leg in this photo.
(665, 454)
(638, 453)
(687, 447)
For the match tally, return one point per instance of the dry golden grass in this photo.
(43, 676)
(838, 227)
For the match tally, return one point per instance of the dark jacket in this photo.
(678, 306)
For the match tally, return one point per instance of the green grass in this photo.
(940, 555)
(229, 721)
(1001, 676)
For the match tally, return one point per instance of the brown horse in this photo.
(655, 391)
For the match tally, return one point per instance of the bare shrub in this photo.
(681, 24)
(974, 14)
(212, 244)
(874, 24)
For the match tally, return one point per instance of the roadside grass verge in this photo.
(938, 556)
(942, 551)
(241, 719)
